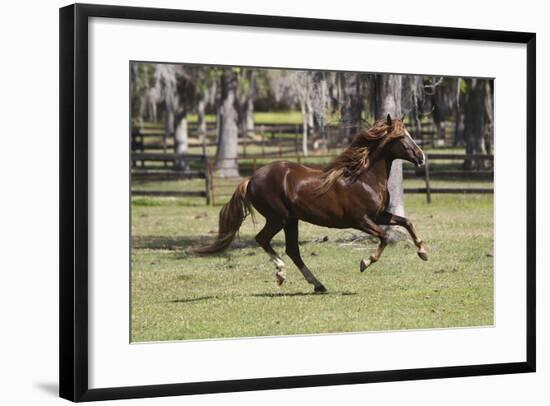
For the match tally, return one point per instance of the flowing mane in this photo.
(355, 159)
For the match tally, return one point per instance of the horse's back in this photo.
(286, 189)
(280, 177)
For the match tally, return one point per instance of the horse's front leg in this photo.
(370, 227)
(394, 220)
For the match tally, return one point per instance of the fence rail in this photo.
(428, 190)
(264, 136)
(180, 169)
(192, 166)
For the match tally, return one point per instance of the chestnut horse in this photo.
(351, 192)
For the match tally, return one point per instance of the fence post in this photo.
(142, 144)
(263, 142)
(433, 130)
(207, 179)
(254, 165)
(212, 186)
(427, 180)
(165, 147)
(296, 132)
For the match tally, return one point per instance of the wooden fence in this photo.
(153, 159)
(157, 166)
(478, 175)
(270, 139)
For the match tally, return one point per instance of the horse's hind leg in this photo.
(393, 220)
(293, 251)
(264, 238)
(372, 228)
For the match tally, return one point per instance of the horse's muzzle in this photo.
(420, 160)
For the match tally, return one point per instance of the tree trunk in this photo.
(489, 117)
(169, 123)
(318, 103)
(438, 115)
(459, 127)
(226, 154)
(415, 116)
(352, 106)
(416, 85)
(305, 123)
(248, 125)
(388, 101)
(201, 112)
(477, 121)
(181, 140)
(245, 103)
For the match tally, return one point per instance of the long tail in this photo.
(232, 216)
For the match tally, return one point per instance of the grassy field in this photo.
(176, 295)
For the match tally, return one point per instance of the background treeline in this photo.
(171, 93)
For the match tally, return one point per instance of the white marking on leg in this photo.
(277, 261)
(364, 264)
(280, 275)
(281, 270)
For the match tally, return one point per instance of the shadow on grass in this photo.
(266, 295)
(195, 299)
(184, 243)
(293, 294)
(159, 242)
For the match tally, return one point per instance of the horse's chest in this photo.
(374, 198)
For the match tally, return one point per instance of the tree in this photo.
(144, 95)
(319, 99)
(228, 130)
(388, 101)
(412, 102)
(206, 83)
(302, 87)
(478, 120)
(352, 104)
(246, 92)
(442, 93)
(176, 86)
(166, 87)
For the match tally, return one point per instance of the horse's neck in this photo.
(378, 173)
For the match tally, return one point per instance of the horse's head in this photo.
(401, 145)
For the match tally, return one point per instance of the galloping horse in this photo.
(351, 192)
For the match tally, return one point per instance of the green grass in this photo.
(176, 295)
(279, 117)
(269, 117)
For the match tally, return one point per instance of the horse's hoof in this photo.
(320, 289)
(364, 265)
(280, 278)
(423, 255)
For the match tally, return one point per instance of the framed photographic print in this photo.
(256, 202)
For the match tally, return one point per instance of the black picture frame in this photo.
(73, 282)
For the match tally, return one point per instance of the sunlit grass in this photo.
(177, 295)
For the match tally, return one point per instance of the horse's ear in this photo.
(388, 120)
(403, 117)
